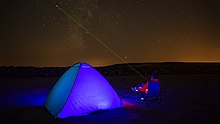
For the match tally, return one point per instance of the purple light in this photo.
(90, 92)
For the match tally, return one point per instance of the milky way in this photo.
(36, 33)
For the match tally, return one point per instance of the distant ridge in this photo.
(117, 69)
(167, 63)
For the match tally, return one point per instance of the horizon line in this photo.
(207, 62)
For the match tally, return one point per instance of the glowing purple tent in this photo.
(80, 91)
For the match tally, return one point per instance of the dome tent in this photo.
(80, 91)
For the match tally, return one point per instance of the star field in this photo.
(36, 33)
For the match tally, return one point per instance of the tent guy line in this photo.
(100, 41)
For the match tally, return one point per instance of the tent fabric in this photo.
(80, 91)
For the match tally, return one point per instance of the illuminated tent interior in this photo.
(80, 91)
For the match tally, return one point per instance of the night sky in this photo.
(37, 33)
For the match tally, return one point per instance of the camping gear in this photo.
(80, 91)
(154, 93)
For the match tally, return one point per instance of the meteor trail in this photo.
(106, 46)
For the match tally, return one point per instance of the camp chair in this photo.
(154, 93)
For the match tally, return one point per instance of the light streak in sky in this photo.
(100, 41)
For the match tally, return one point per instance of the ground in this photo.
(189, 98)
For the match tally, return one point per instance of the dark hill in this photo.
(117, 69)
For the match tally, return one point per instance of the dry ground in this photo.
(186, 99)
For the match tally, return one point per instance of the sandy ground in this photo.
(186, 99)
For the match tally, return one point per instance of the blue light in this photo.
(80, 91)
(61, 90)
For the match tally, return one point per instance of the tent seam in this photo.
(70, 91)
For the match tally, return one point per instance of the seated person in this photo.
(143, 88)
